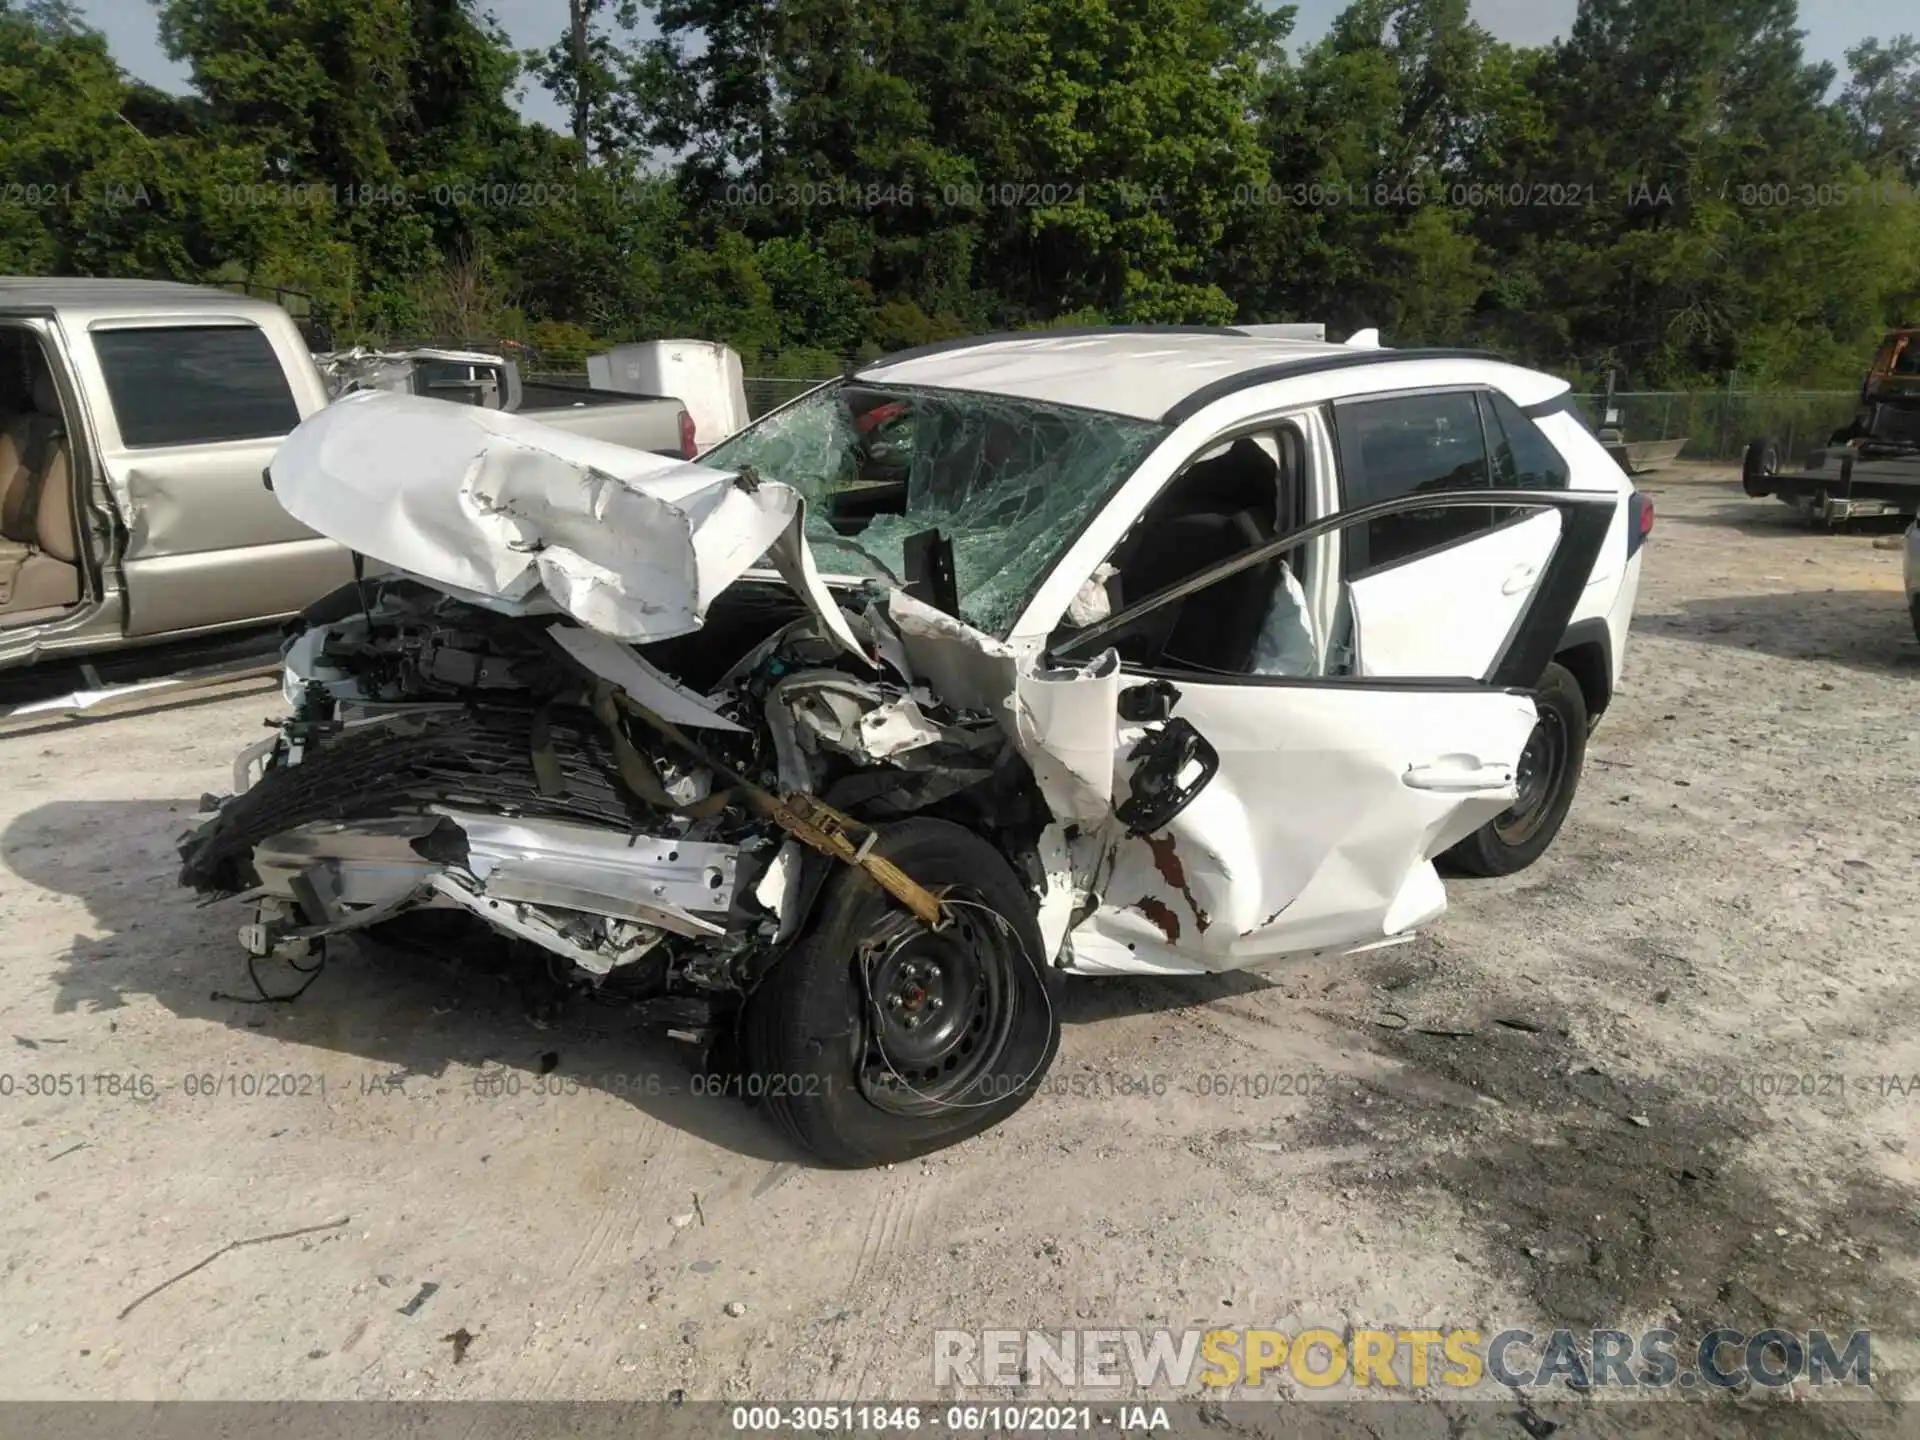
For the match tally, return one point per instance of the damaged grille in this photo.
(479, 759)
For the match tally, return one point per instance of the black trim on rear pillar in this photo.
(1562, 401)
(1543, 629)
(1308, 365)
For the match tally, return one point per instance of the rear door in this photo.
(1274, 815)
(1433, 590)
(196, 408)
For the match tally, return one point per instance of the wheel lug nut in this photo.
(934, 1002)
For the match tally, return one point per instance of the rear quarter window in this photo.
(195, 385)
(1523, 457)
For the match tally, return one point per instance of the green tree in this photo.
(586, 69)
(1882, 101)
(114, 178)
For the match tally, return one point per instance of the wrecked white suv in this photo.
(1150, 652)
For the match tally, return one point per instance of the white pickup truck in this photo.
(137, 419)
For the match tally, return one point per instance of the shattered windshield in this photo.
(1008, 483)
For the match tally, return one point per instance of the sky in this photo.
(132, 30)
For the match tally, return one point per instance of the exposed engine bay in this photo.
(601, 712)
(569, 792)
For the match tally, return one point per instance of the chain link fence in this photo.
(1717, 424)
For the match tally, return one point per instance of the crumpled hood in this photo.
(522, 517)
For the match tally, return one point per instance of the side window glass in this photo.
(1410, 445)
(1523, 457)
(190, 385)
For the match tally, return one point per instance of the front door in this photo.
(1328, 794)
(196, 411)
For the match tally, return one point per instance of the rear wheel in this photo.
(1760, 464)
(875, 1038)
(1548, 776)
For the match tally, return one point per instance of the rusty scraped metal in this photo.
(809, 820)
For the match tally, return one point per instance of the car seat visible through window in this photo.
(39, 550)
(1216, 509)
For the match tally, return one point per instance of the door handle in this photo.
(1521, 577)
(1458, 779)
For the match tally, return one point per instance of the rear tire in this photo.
(1760, 464)
(875, 1039)
(1550, 776)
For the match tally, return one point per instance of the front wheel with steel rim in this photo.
(876, 1038)
(1545, 781)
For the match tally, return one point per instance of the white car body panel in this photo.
(1451, 613)
(522, 517)
(1319, 828)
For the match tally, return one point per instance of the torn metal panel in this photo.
(553, 886)
(683, 874)
(960, 664)
(1058, 893)
(660, 693)
(1125, 944)
(831, 710)
(1062, 721)
(365, 368)
(827, 707)
(623, 945)
(522, 517)
(778, 888)
(1064, 724)
(370, 862)
(896, 727)
(794, 561)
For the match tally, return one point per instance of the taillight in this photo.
(689, 446)
(1640, 522)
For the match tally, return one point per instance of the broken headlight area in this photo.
(652, 822)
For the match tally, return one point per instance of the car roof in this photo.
(1149, 372)
(91, 297)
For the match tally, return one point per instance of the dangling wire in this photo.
(312, 972)
(1006, 928)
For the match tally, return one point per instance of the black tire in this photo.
(1550, 775)
(1760, 464)
(831, 1039)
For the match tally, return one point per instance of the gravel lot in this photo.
(1669, 1075)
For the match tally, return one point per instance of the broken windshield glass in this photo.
(1009, 483)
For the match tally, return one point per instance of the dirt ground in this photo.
(1669, 1075)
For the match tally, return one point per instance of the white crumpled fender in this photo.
(525, 518)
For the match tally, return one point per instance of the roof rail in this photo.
(943, 347)
(1308, 365)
